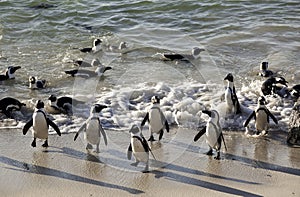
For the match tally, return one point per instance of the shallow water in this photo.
(237, 36)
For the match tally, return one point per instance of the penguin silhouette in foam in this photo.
(213, 133)
(40, 124)
(93, 128)
(231, 99)
(261, 116)
(138, 147)
(156, 119)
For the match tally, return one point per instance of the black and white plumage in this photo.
(275, 86)
(95, 48)
(213, 133)
(231, 99)
(138, 147)
(62, 104)
(40, 124)
(156, 119)
(8, 104)
(99, 71)
(295, 91)
(122, 46)
(95, 62)
(195, 54)
(261, 116)
(9, 73)
(264, 72)
(34, 83)
(92, 128)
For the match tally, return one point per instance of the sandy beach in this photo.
(263, 166)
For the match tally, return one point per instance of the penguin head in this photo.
(229, 77)
(155, 100)
(52, 98)
(39, 104)
(134, 129)
(213, 114)
(97, 108)
(122, 45)
(96, 62)
(32, 79)
(264, 66)
(207, 112)
(281, 80)
(261, 100)
(11, 70)
(97, 42)
(196, 52)
(295, 91)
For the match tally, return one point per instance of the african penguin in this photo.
(9, 73)
(122, 46)
(213, 133)
(295, 91)
(264, 72)
(40, 124)
(7, 104)
(82, 63)
(138, 147)
(93, 128)
(261, 116)
(156, 119)
(96, 47)
(195, 54)
(99, 71)
(34, 83)
(62, 104)
(231, 99)
(274, 85)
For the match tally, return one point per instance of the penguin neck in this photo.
(230, 84)
(10, 75)
(96, 48)
(94, 115)
(260, 106)
(53, 103)
(98, 71)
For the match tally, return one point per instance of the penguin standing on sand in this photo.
(34, 83)
(156, 119)
(231, 99)
(9, 73)
(40, 123)
(93, 128)
(139, 147)
(213, 133)
(261, 116)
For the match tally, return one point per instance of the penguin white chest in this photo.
(138, 150)
(92, 133)
(156, 123)
(40, 126)
(212, 134)
(228, 97)
(261, 122)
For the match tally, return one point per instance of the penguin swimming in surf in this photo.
(122, 46)
(93, 128)
(213, 133)
(8, 104)
(95, 48)
(156, 119)
(138, 147)
(231, 99)
(261, 116)
(40, 124)
(9, 73)
(295, 92)
(62, 104)
(195, 54)
(82, 63)
(264, 72)
(275, 86)
(99, 71)
(34, 83)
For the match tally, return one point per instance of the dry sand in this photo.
(263, 166)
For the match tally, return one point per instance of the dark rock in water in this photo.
(294, 126)
(43, 6)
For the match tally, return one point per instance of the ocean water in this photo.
(43, 38)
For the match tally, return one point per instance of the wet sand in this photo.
(263, 166)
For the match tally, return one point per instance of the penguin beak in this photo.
(207, 112)
(15, 68)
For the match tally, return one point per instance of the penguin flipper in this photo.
(107, 68)
(54, 126)
(145, 119)
(249, 118)
(167, 126)
(198, 135)
(103, 134)
(27, 126)
(129, 152)
(272, 116)
(83, 127)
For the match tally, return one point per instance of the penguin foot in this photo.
(210, 152)
(151, 139)
(33, 144)
(218, 156)
(89, 146)
(97, 150)
(45, 144)
(146, 170)
(135, 163)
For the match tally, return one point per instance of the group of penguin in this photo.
(138, 145)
